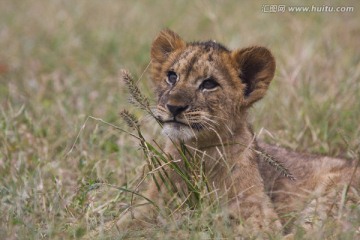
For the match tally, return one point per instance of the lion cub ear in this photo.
(165, 43)
(256, 66)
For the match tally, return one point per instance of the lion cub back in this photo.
(323, 185)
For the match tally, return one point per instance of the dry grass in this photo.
(60, 62)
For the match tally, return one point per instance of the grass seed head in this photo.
(130, 119)
(277, 165)
(137, 98)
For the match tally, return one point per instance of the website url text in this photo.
(273, 8)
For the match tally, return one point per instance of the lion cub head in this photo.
(203, 87)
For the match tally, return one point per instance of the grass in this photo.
(60, 63)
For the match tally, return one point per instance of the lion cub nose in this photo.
(176, 110)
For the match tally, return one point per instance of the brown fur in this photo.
(212, 118)
(317, 192)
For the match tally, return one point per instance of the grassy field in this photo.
(60, 64)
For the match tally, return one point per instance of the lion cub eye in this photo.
(171, 78)
(208, 84)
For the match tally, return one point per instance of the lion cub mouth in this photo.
(175, 123)
(179, 130)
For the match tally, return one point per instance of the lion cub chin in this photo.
(204, 92)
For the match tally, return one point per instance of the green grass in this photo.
(60, 62)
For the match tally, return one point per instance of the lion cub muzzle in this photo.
(176, 123)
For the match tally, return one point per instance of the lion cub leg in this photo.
(250, 203)
(257, 213)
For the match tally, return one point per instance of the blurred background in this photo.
(60, 63)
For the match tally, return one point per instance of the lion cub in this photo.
(204, 92)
